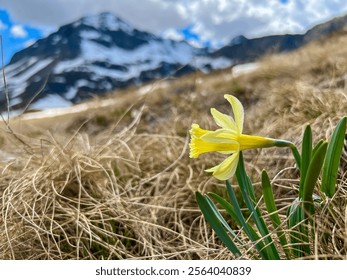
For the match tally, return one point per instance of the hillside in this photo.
(114, 180)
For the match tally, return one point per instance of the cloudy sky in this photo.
(207, 22)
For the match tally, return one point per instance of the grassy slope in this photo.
(116, 181)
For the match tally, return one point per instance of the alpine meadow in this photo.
(111, 178)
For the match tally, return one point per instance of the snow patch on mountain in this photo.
(90, 34)
(68, 65)
(50, 101)
(56, 39)
(245, 68)
(107, 21)
(146, 57)
(157, 51)
(71, 93)
(15, 68)
(18, 78)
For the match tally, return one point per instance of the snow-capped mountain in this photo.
(97, 54)
(92, 56)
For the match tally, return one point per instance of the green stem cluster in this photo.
(295, 241)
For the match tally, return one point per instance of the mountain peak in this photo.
(238, 40)
(106, 21)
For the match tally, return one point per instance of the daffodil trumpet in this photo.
(228, 140)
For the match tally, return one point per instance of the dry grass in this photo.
(103, 197)
(117, 183)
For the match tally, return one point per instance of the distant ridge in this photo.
(241, 49)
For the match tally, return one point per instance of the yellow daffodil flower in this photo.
(227, 140)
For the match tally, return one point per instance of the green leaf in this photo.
(230, 209)
(296, 155)
(253, 236)
(332, 159)
(226, 205)
(221, 219)
(250, 189)
(273, 213)
(295, 220)
(320, 142)
(307, 209)
(306, 152)
(247, 191)
(312, 177)
(215, 223)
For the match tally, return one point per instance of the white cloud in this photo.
(218, 20)
(18, 31)
(173, 34)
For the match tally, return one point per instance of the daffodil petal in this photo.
(222, 120)
(254, 142)
(196, 131)
(226, 169)
(237, 110)
(221, 136)
(199, 146)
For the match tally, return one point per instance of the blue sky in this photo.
(201, 22)
(15, 36)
